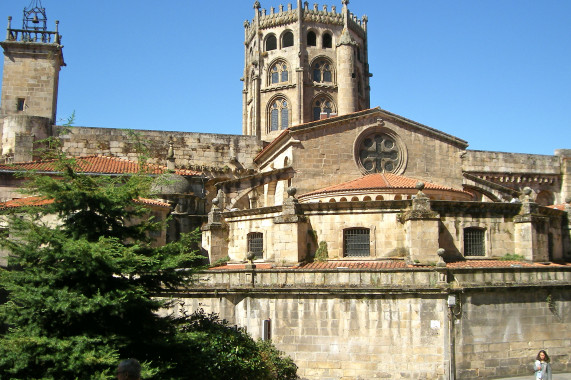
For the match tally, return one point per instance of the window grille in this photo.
(256, 244)
(474, 239)
(356, 242)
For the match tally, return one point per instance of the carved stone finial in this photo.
(365, 18)
(246, 23)
(215, 202)
(345, 2)
(419, 186)
(170, 152)
(441, 252)
(291, 191)
(257, 4)
(527, 191)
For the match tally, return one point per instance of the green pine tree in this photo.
(81, 292)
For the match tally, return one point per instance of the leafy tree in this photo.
(79, 291)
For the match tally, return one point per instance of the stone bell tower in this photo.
(302, 64)
(32, 60)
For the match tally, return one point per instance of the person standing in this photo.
(542, 367)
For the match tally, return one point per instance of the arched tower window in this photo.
(327, 40)
(279, 114)
(322, 105)
(271, 42)
(322, 71)
(311, 39)
(279, 72)
(287, 39)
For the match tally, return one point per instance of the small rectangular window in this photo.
(474, 239)
(256, 244)
(20, 104)
(356, 242)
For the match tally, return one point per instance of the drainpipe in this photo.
(452, 336)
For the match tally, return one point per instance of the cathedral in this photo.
(342, 231)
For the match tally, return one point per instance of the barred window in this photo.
(474, 242)
(356, 242)
(256, 244)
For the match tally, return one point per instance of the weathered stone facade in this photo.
(405, 216)
(395, 324)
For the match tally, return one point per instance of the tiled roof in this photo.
(379, 181)
(152, 202)
(28, 201)
(96, 165)
(561, 207)
(39, 201)
(395, 264)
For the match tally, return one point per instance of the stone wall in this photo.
(501, 162)
(191, 149)
(394, 324)
(325, 161)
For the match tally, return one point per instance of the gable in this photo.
(340, 149)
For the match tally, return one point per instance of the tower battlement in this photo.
(286, 15)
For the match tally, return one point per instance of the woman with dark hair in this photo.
(542, 367)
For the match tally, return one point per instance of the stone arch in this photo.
(287, 39)
(270, 42)
(278, 72)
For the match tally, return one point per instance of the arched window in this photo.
(322, 105)
(287, 39)
(279, 73)
(474, 241)
(356, 242)
(256, 244)
(271, 43)
(327, 40)
(322, 71)
(311, 39)
(279, 114)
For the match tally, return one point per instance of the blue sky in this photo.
(496, 73)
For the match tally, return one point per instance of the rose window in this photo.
(379, 153)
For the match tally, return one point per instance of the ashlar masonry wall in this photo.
(190, 149)
(394, 324)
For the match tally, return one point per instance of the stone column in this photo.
(421, 226)
(565, 159)
(531, 231)
(346, 99)
(290, 232)
(215, 235)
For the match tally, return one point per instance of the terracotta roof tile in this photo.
(395, 264)
(561, 207)
(28, 201)
(39, 201)
(379, 181)
(95, 164)
(153, 202)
